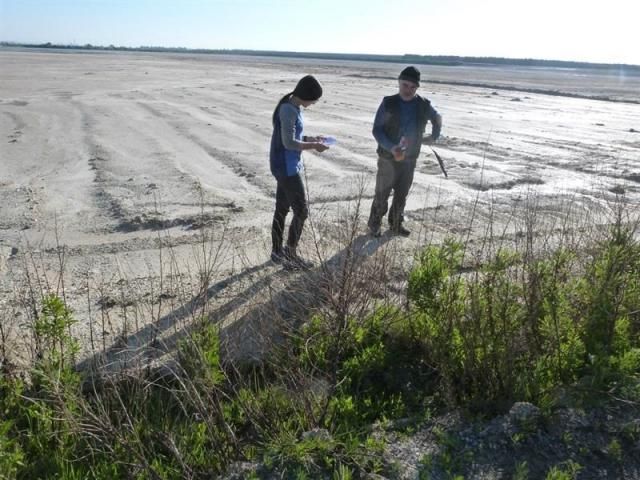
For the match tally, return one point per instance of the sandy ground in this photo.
(127, 179)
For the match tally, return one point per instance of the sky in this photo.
(601, 31)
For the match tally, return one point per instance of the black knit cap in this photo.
(411, 74)
(308, 88)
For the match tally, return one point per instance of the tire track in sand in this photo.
(19, 126)
(232, 162)
(127, 201)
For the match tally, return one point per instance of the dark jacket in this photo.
(389, 114)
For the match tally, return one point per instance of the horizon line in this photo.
(425, 58)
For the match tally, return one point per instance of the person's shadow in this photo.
(249, 335)
(122, 351)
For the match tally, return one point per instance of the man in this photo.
(399, 129)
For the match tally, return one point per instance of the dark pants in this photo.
(290, 194)
(396, 176)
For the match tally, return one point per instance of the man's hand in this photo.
(398, 153)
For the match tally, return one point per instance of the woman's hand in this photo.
(314, 143)
(320, 147)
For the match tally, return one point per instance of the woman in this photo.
(287, 144)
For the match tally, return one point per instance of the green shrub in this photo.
(470, 326)
(11, 454)
(374, 370)
(568, 470)
(55, 347)
(199, 356)
(610, 291)
(514, 329)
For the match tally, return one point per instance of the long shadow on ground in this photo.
(247, 336)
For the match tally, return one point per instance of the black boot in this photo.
(400, 230)
(294, 262)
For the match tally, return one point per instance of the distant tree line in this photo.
(445, 60)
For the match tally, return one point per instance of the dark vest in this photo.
(392, 120)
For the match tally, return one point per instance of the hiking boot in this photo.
(375, 232)
(277, 257)
(400, 230)
(292, 261)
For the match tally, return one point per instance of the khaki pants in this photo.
(396, 176)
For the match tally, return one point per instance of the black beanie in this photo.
(308, 88)
(411, 74)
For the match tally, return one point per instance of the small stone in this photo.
(525, 414)
(5, 254)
